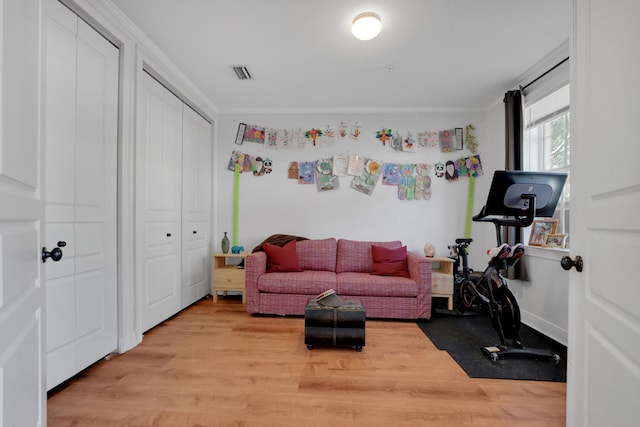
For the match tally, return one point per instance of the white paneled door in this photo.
(22, 335)
(81, 194)
(159, 203)
(603, 378)
(196, 205)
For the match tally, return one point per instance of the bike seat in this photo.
(467, 241)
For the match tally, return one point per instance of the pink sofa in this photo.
(343, 265)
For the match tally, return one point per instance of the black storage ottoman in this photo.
(334, 326)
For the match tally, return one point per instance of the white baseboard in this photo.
(552, 331)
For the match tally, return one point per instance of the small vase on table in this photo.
(225, 244)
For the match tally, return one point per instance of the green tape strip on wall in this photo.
(236, 191)
(467, 230)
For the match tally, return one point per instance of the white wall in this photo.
(274, 204)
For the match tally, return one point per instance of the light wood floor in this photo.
(215, 365)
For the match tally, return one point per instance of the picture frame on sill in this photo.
(555, 240)
(540, 229)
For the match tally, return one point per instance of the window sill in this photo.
(547, 253)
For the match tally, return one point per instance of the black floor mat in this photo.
(463, 337)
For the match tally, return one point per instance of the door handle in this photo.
(566, 262)
(55, 254)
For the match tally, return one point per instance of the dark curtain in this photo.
(514, 117)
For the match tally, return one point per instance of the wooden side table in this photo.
(226, 277)
(442, 279)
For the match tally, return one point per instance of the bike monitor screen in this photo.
(507, 188)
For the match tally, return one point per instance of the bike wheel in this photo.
(467, 294)
(507, 312)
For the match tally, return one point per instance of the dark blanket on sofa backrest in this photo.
(277, 240)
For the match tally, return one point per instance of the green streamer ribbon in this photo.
(236, 191)
(467, 230)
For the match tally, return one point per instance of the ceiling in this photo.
(432, 55)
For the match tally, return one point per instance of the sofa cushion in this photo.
(282, 259)
(364, 284)
(389, 262)
(304, 283)
(317, 255)
(355, 256)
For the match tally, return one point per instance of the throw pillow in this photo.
(390, 262)
(282, 259)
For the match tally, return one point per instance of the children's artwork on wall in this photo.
(470, 139)
(446, 141)
(283, 138)
(298, 140)
(384, 135)
(422, 140)
(340, 164)
(428, 139)
(254, 133)
(325, 179)
(395, 143)
(474, 165)
(408, 143)
(469, 166)
(439, 169)
(294, 171)
(242, 127)
(237, 157)
(257, 166)
(355, 131)
(423, 181)
(366, 182)
(407, 182)
(342, 130)
(267, 165)
(312, 135)
(271, 139)
(356, 165)
(328, 137)
(391, 174)
(433, 139)
(451, 173)
(461, 167)
(458, 139)
(307, 173)
(246, 164)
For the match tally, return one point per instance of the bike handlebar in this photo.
(516, 221)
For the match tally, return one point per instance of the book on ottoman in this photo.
(342, 325)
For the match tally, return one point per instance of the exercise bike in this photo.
(488, 293)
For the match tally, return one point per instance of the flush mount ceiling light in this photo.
(366, 26)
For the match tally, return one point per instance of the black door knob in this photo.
(55, 254)
(566, 262)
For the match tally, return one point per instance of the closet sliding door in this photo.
(173, 198)
(159, 203)
(196, 205)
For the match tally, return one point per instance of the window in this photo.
(547, 144)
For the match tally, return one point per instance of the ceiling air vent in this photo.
(242, 72)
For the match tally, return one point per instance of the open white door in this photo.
(22, 340)
(604, 315)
